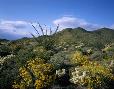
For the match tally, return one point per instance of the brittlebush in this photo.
(97, 76)
(79, 59)
(90, 74)
(37, 74)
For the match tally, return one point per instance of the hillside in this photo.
(97, 38)
(70, 59)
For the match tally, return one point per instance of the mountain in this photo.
(3, 40)
(98, 38)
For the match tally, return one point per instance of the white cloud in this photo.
(18, 29)
(112, 26)
(72, 22)
(14, 27)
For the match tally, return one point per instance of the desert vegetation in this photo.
(71, 58)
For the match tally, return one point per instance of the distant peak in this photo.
(104, 28)
(104, 31)
(80, 28)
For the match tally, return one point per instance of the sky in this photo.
(16, 16)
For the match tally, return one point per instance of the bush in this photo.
(90, 74)
(4, 50)
(42, 53)
(36, 74)
(97, 55)
(78, 59)
(8, 71)
(24, 55)
(58, 60)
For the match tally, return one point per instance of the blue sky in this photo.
(89, 14)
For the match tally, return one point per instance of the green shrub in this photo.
(58, 60)
(8, 71)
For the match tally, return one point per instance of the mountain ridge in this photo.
(97, 38)
(101, 36)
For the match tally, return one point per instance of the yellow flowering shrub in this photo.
(92, 75)
(78, 59)
(37, 74)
